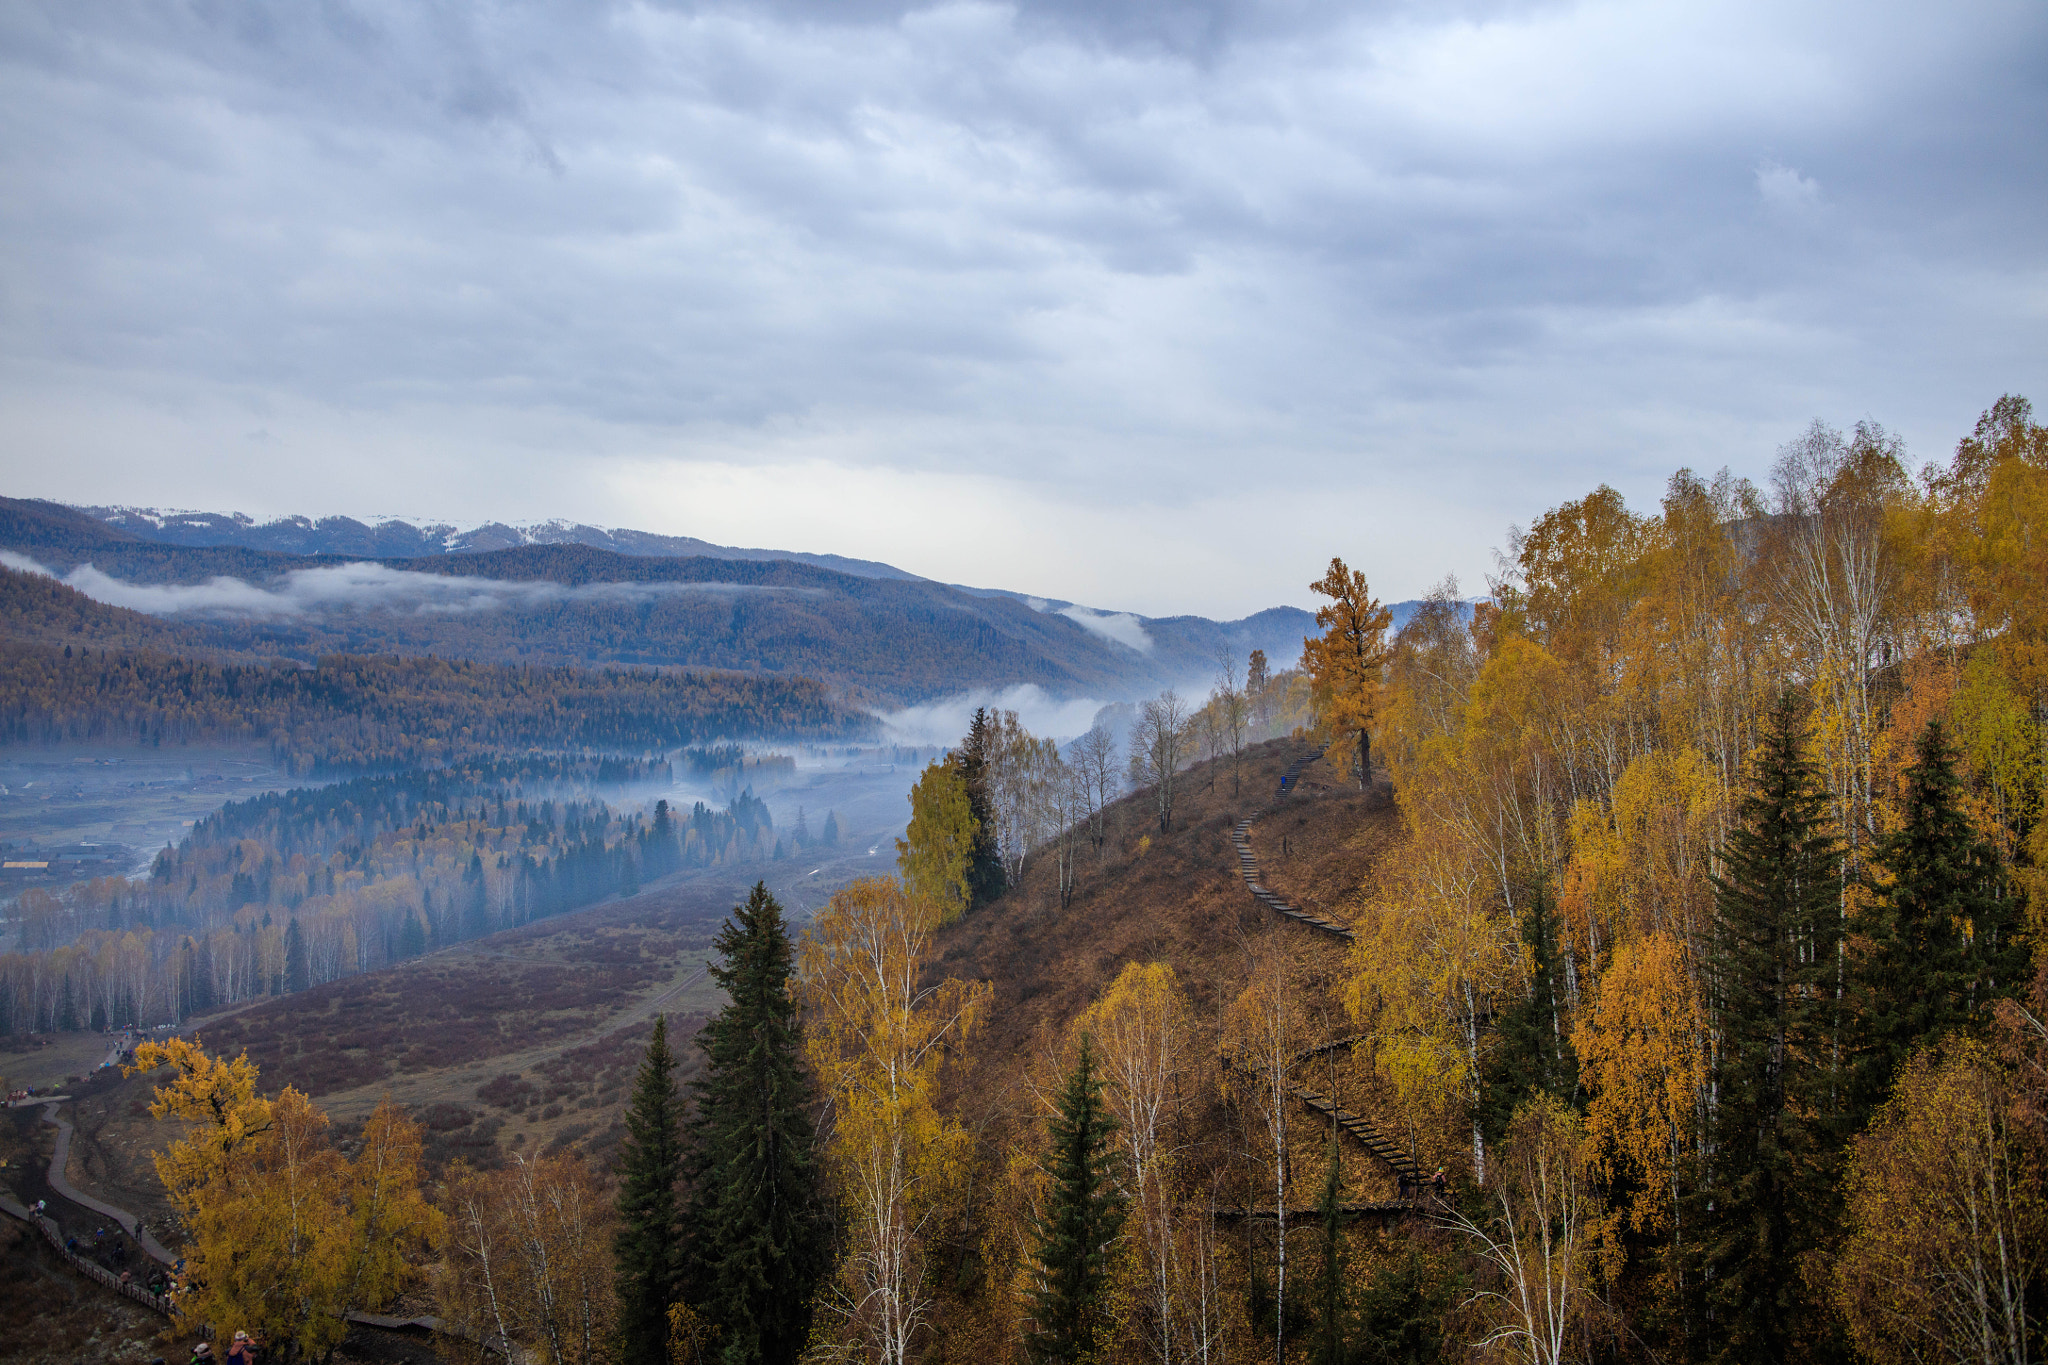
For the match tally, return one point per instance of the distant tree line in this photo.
(292, 889)
(359, 712)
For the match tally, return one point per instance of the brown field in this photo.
(547, 1022)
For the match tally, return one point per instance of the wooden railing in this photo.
(92, 1270)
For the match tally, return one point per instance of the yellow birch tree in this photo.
(878, 1038)
(938, 847)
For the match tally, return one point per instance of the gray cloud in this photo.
(1440, 264)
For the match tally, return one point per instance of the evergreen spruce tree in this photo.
(663, 854)
(1772, 972)
(1330, 1283)
(412, 938)
(1532, 1053)
(647, 1255)
(476, 905)
(985, 877)
(759, 1233)
(1921, 977)
(298, 970)
(1083, 1215)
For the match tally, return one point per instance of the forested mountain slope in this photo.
(351, 712)
(880, 640)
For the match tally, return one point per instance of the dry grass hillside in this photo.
(1175, 896)
(521, 1041)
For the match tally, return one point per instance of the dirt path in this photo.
(130, 1224)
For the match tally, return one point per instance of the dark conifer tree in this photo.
(476, 905)
(663, 854)
(298, 970)
(1083, 1215)
(412, 938)
(1772, 971)
(985, 877)
(1940, 944)
(1330, 1281)
(1533, 1053)
(759, 1233)
(647, 1254)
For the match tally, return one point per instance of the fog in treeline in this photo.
(293, 889)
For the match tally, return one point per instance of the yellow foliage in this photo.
(285, 1236)
(1143, 1033)
(217, 1097)
(1642, 1046)
(1949, 1223)
(878, 1038)
(937, 848)
(1344, 663)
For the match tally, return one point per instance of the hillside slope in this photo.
(1175, 898)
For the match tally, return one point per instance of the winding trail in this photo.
(1361, 1130)
(130, 1224)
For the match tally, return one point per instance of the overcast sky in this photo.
(1149, 305)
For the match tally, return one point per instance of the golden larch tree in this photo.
(1344, 662)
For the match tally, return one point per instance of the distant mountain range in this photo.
(301, 588)
(396, 539)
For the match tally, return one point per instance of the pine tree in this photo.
(298, 971)
(648, 1251)
(985, 877)
(759, 1233)
(476, 905)
(412, 938)
(1920, 977)
(663, 855)
(1330, 1283)
(1772, 972)
(1083, 1215)
(1533, 1053)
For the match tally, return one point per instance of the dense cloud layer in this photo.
(1154, 304)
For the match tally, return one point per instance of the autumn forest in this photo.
(1632, 958)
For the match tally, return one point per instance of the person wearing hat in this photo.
(203, 1352)
(243, 1352)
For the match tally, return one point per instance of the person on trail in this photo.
(204, 1352)
(243, 1352)
(1438, 1181)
